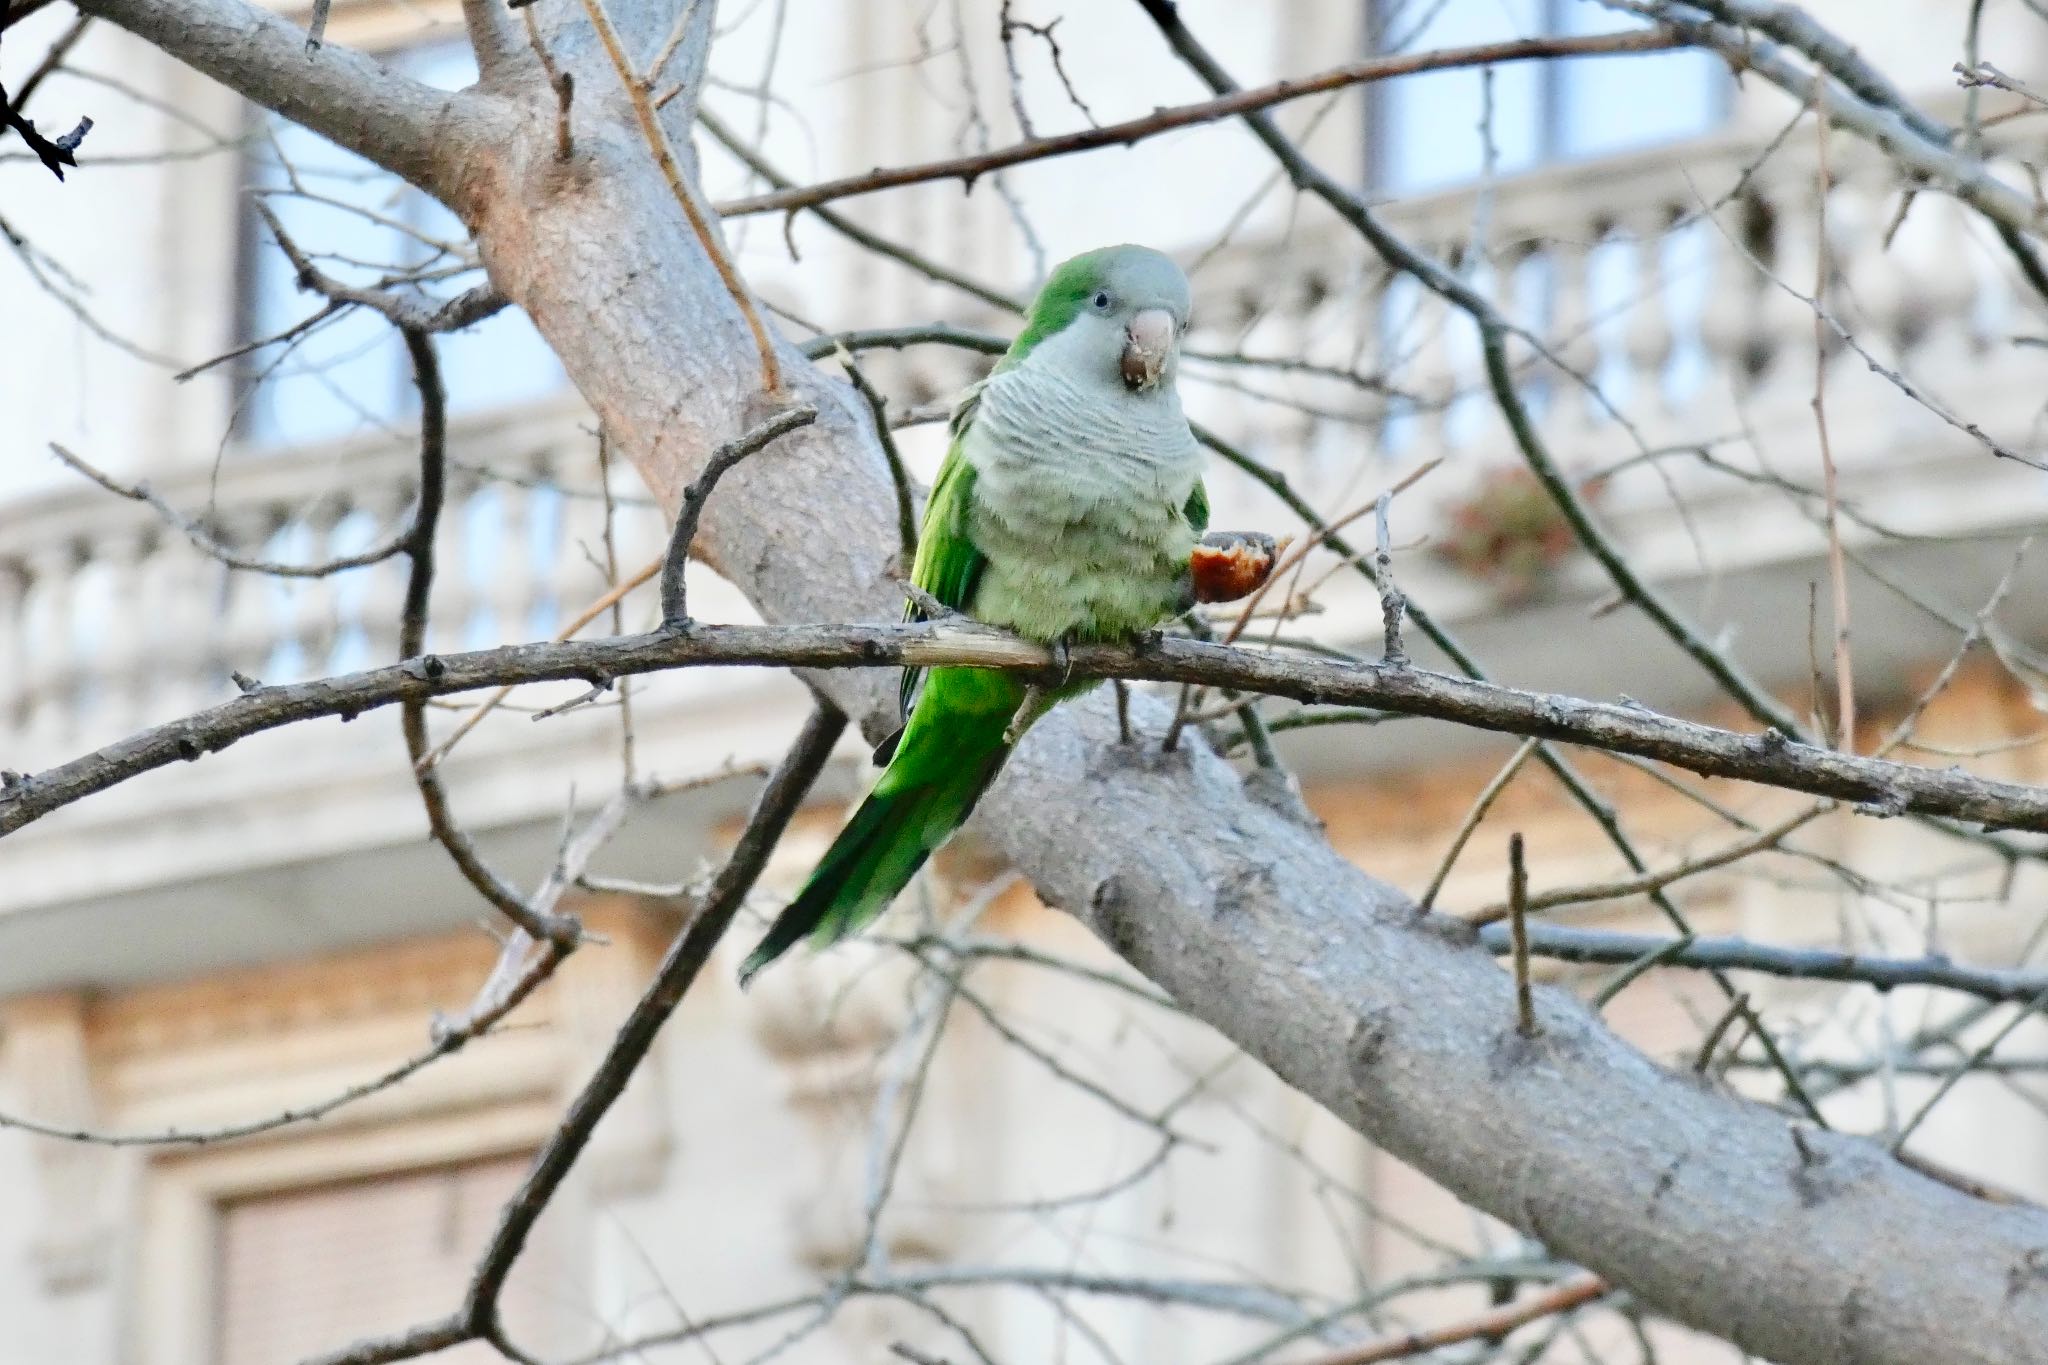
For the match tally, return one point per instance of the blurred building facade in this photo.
(270, 926)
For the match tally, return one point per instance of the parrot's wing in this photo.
(1197, 509)
(948, 564)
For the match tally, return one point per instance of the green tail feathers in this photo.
(949, 753)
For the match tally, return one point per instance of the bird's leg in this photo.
(1123, 710)
(1037, 701)
(1063, 660)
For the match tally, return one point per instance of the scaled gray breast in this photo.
(1047, 448)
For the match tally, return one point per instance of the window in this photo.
(305, 1270)
(1428, 130)
(363, 226)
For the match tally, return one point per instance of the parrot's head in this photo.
(1119, 312)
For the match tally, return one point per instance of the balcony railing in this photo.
(1665, 277)
(111, 618)
(1670, 278)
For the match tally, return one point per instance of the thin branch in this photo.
(972, 168)
(846, 227)
(1838, 573)
(1486, 1327)
(1769, 759)
(1605, 947)
(204, 541)
(899, 476)
(1656, 881)
(1480, 806)
(674, 608)
(405, 311)
(542, 926)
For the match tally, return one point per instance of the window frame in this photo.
(1552, 86)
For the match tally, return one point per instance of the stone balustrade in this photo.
(111, 618)
(1649, 275)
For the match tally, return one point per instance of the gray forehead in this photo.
(1146, 277)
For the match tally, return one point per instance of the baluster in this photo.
(1647, 332)
(48, 640)
(250, 618)
(1728, 323)
(374, 597)
(14, 652)
(567, 579)
(1426, 334)
(511, 578)
(114, 658)
(312, 623)
(1783, 342)
(1573, 412)
(1933, 250)
(454, 602)
(177, 601)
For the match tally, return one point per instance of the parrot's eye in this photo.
(1102, 300)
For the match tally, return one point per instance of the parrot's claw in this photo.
(1063, 660)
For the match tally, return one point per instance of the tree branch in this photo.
(420, 133)
(1565, 944)
(971, 168)
(1878, 786)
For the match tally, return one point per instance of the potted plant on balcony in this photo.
(1509, 534)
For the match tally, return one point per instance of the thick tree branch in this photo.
(423, 134)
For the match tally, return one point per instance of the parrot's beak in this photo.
(1147, 341)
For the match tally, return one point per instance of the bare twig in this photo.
(412, 635)
(1518, 925)
(1480, 805)
(1838, 574)
(606, 601)
(207, 544)
(1486, 1327)
(674, 607)
(972, 168)
(1568, 944)
(405, 311)
(1657, 881)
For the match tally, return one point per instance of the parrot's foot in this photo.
(1063, 659)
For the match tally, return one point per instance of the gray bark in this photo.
(1800, 1246)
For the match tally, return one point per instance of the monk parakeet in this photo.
(1067, 509)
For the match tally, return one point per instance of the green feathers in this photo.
(1065, 294)
(950, 751)
(1067, 506)
(948, 564)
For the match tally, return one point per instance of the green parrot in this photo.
(1066, 510)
